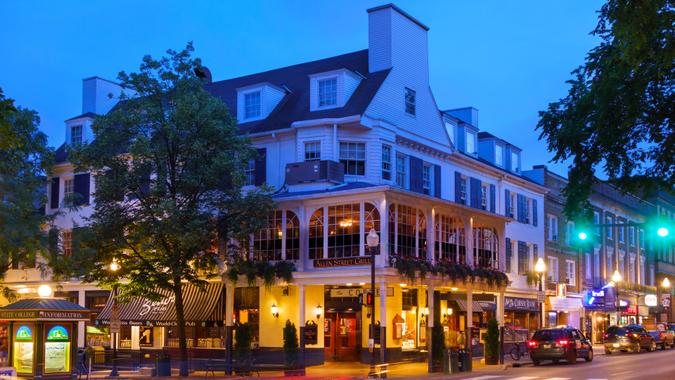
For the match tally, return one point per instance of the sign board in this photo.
(355, 292)
(311, 333)
(342, 262)
(650, 300)
(665, 300)
(541, 297)
(524, 304)
(146, 337)
(115, 323)
(7, 373)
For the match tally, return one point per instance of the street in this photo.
(655, 365)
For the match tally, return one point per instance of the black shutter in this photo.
(535, 252)
(534, 212)
(458, 188)
(475, 192)
(416, 166)
(437, 180)
(54, 202)
(81, 189)
(507, 203)
(492, 198)
(261, 167)
(521, 208)
(508, 254)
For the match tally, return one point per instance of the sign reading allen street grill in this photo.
(342, 262)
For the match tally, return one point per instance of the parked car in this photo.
(663, 335)
(566, 343)
(633, 338)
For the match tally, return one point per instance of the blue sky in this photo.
(509, 59)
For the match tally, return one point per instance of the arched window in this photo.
(450, 239)
(292, 236)
(485, 247)
(344, 230)
(371, 220)
(407, 231)
(267, 240)
(316, 234)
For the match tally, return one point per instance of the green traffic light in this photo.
(583, 235)
(662, 232)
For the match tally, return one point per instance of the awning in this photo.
(565, 304)
(200, 306)
(477, 308)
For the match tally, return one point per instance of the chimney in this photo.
(396, 39)
(96, 95)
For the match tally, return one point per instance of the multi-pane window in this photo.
(552, 228)
(344, 237)
(570, 272)
(312, 151)
(470, 142)
(610, 229)
(407, 231)
(410, 106)
(401, 170)
(76, 135)
(386, 161)
(621, 232)
(523, 258)
(426, 179)
(67, 242)
(68, 190)
(249, 173)
(252, 105)
(596, 221)
(450, 239)
(353, 157)
(553, 269)
(485, 247)
(514, 162)
(631, 236)
(371, 220)
(327, 92)
(316, 235)
(267, 240)
(292, 236)
(462, 190)
(499, 155)
(569, 233)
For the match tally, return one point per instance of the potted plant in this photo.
(492, 342)
(291, 351)
(243, 334)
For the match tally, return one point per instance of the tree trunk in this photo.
(180, 321)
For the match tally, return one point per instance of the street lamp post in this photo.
(114, 267)
(540, 268)
(616, 278)
(666, 285)
(373, 240)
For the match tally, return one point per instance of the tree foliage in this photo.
(617, 114)
(168, 166)
(25, 161)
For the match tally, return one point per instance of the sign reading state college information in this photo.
(43, 315)
(342, 262)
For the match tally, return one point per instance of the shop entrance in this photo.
(340, 336)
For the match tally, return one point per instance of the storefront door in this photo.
(340, 336)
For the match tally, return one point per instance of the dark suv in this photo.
(631, 338)
(557, 343)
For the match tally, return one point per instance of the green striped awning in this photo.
(200, 305)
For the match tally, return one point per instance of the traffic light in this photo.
(582, 235)
(369, 299)
(662, 231)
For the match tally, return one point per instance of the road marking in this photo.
(622, 373)
(559, 378)
(486, 377)
(524, 378)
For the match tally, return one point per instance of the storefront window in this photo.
(125, 337)
(409, 322)
(407, 231)
(316, 235)
(450, 239)
(247, 309)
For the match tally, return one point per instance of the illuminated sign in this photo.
(23, 333)
(598, 293)
(650, 300)
(57, 333)
(624, 303)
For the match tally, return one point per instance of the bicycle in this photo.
(518, 350)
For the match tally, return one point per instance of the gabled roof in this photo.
(86, 114)
(295, 104)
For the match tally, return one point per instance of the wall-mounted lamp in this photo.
(425, 311)
(275, 310)
(448, 312)
(318, 310)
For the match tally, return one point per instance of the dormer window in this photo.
(252, 105)
(470, 142)
(499, 156)
(327, 92)
(76, 135)
(514, 162)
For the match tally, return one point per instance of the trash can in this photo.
(453, 358)
(464, 361)
(163, 365)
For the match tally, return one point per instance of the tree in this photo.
(168, 164)
(618, 111)
(25, 161)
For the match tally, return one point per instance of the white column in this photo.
(325, 232)
(304, 238)
(468, 229)
(501, 247)
(384, 233)
(81, 329)
(301, 300)
(500, 309)
(135, 338)
(283, 234)
(430, 305)
(362, 229)
(431, 236)
(469, 320)
(383, 305)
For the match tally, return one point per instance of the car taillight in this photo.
(606, 336)
(531, 343)
(563, 342)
